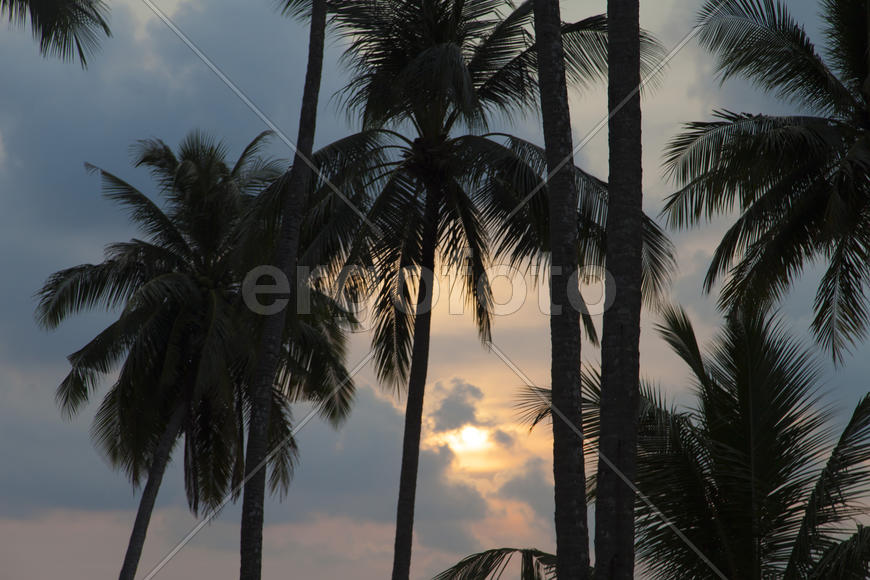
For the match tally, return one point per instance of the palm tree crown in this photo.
(178, 325)
(440, 70)
(184, 341)
(67, 29)
(799, 182)
(768, 490)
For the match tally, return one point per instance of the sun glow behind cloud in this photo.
(470, 438)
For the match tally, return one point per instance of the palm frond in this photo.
(841, 305)
(845, 28)
(143, 212)
(836, 497)
(68, 29)
(535, 565)
(846, 560)
(759, 39)
(73, 290)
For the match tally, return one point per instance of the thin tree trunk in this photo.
(865, 89)
(149, 494)
(416, 391)
(572, 535)
(294, 201)
(620, 356)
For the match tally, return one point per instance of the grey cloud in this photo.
(459, 407)
(440, 504)
(55, 117)
(503, 438)
(531, 487)
(355, 473)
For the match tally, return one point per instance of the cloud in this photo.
(503, 438)
(442, 503)
(146, 83)
(532, 487)
(458, 407)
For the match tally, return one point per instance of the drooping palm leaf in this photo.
(534, 564)
(66, 29)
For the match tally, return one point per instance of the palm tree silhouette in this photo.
(620, 343)
(184, 342)
(292, 189)
(441, 70)
(569, 470)
(798, 182)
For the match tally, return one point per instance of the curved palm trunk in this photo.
(572, 535)
(149, 494)
(620, 357)
(416, 390)
(295, 189)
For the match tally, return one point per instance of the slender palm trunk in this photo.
(865, 89)
(149, 494)
(295, 199)
(416, 390)
(620, 356)
(572, 535)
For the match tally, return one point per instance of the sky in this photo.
(485, 481)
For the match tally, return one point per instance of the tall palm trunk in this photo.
(294, 193)
(416, 391)
(865, 88)
(572, 535)
(620, 357)
(149, 494)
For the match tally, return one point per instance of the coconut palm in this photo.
(798, 182)
(569, 470)
(183, 340)
(620, 345)
(754, 475)
(293, 189)
(67, 29)
(440, 70)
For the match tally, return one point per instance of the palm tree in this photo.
(798, 182)
(183, 340)
(620, 345)
(67, 29)
(569, 471)
(766, 489)
(293, 188)
(442, 69)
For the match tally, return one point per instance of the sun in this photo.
(469, 438)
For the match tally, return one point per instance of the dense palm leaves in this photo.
(441, 69)
(64, 28)
(184, 341)
(800, 182)
(754, 474)
(769, 492)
